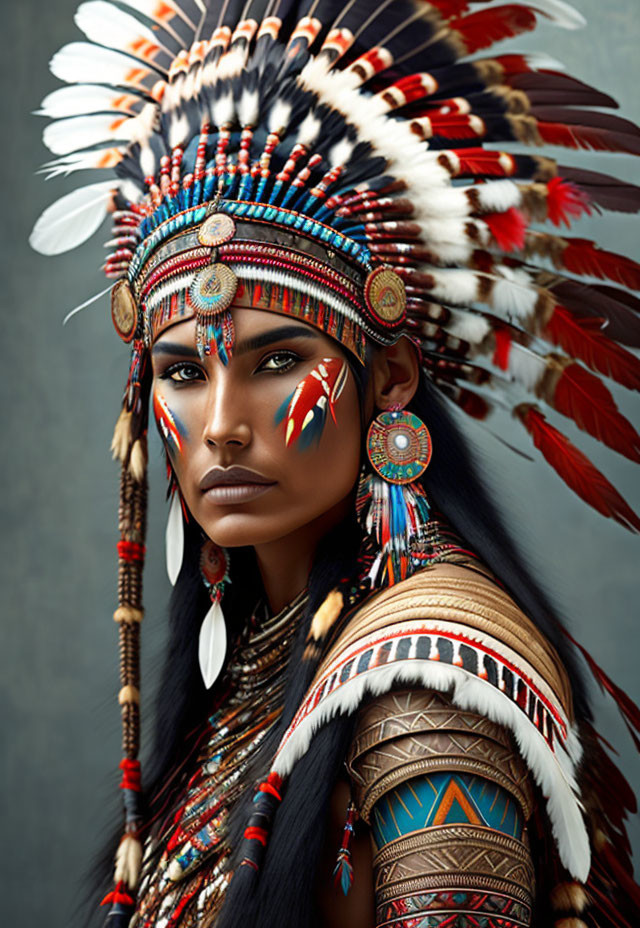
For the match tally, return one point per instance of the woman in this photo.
(305, 283)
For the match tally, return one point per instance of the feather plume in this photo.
(65, 136)
(84, 63)
(326, 615)
(128, 861)
(72, 219)
(105, 24)
(582, 396)
(575, 469)
(138, 459)
(628, 708)
(584, 337)
(121, 441)
(174, 539)
(586, 258)
(212, 644)
(83, 99)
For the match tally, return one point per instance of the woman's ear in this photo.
(396, 374)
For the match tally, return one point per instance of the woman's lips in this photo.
(238, 493)
(229, 485)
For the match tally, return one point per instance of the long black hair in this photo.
(280, 895)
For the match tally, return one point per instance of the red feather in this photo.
(489, 163)
(583, 337)
(507, 228)
(584, 257)
(576, 469)
(513, 64)
(630, 711)
(584, 398)
(456, 126)
(587, 137)
(482, 29)
(565, 202)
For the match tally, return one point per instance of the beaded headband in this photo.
(200, 261)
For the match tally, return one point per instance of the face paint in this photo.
(170, 426)
(305, 410)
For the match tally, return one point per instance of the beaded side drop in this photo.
(176, 888)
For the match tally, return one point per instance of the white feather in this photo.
(65, 136)
(540, 61)
(455, 286)
(81, 99)
(105, 24)
(513, 294)
(83, 161)
(472, 327)
(498, 195)
(280, 116)
(174, 539)
(128, 861)
(526, 366)
(178, 130)
(150, 8)
(309, 129)
(223, 110)
(85, 63)
(212, 644)
(441, 202)
(560, 13)
(340, 153)
(72, 219)
(248, 108)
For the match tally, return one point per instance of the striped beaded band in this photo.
(283, 272)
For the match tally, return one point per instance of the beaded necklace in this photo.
(176, 889)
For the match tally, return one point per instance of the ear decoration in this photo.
(305, 411)
(212, 643)
(174, 538)
(391, 505)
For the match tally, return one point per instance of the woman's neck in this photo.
(285, 563)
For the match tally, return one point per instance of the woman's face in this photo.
(254, 445)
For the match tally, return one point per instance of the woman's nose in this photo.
(227, 419)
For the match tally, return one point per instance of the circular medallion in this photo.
(213, 289)
(213, 564)
(124, 311)
(399, 446)
(385, 295)
(216, 229)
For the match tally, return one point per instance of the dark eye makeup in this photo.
(279, 361)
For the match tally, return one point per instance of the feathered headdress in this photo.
(341, 162)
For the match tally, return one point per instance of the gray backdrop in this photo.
(62, 392)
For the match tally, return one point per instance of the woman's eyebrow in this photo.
(274, 335)
(175, 348)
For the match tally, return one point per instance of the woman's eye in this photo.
(279, 361)
(183, 373)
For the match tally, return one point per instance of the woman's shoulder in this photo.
(456, 614)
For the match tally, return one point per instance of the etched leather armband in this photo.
(447, 798)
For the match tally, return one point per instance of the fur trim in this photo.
(569, 897)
